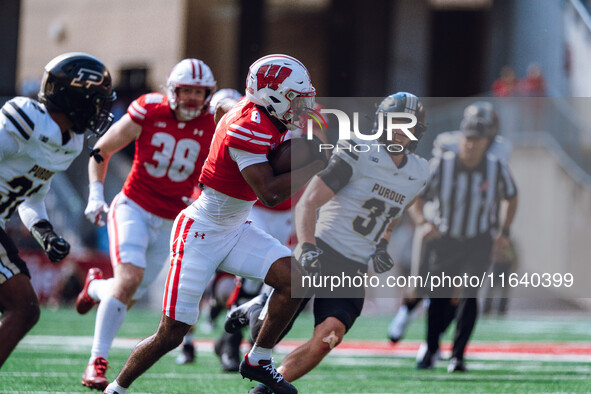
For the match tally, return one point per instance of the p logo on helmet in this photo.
(87, 78)
(79, 86)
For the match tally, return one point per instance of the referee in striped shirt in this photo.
(472, 191)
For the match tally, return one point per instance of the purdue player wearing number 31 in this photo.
(38, 139)
(172, 135)
(360, 198)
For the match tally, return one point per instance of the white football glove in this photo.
(96, 204)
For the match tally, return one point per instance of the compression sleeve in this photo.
(337, 174)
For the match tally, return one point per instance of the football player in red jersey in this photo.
(172, 136)
(214, 231)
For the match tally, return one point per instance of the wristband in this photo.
(506, 232)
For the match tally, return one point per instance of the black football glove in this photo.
(55, 246)
(382, 261)
(309, 258)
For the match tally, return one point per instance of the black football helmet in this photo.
(408, 103)
(480, 119)
(79, 85)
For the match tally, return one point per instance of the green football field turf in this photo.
(53, 356)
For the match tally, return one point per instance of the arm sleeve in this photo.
(337, 174)
(245, 159)
(33, 209)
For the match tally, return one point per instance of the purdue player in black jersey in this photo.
(38, 139)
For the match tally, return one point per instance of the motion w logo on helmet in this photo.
(87, 77)
(271, 76)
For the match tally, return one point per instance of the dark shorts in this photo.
(10, 262)
(346, 310)
(343, 303)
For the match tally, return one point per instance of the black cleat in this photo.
(428, 361)
(260, 389)
(239, 317)
(227, 348)
(266, 373)
(456, 365)
(187, 355)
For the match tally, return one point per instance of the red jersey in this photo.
(246, 128)
(169, 155)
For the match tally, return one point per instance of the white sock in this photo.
(258, 353)
(100, 289)
(109, 318)
(115, 387)
(188, 339)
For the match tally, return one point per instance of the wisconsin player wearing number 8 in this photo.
(214, 231)
(172, 135)
(38, 139)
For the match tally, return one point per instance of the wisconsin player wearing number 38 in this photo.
(172, 135)
(38, 139)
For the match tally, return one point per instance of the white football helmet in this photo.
(223, 94)
(191, 73)
(282, 85)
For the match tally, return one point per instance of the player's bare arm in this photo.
(273, 189)
(316, 195)
(115, 139)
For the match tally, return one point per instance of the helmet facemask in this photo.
(299, 103)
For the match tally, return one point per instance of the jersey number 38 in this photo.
(175, 159)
